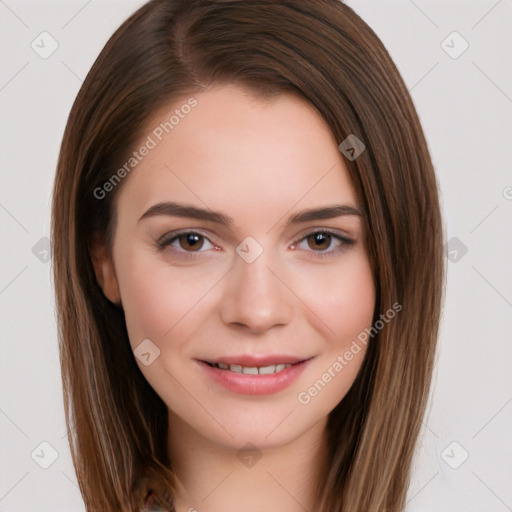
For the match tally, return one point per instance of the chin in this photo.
(263, 428)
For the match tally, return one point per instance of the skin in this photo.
(258, 161)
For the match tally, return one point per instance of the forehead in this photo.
(239, 153)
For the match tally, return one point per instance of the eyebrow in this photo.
(191, 211)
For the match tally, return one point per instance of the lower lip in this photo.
(255, 384)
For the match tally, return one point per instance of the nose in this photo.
(255, 296)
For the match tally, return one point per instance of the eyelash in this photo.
(171, 237)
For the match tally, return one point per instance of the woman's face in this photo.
(232, 267)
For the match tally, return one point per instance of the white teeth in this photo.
(265, 370)
(252, 370)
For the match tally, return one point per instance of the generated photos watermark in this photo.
(151, 142)
(342, 360)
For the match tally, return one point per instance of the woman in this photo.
(248, 263)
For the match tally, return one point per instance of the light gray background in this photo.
(465, 105)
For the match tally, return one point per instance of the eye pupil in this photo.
(321, 240)
(193, 240)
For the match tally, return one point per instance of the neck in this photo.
(212, 477)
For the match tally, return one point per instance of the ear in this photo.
(104, 269)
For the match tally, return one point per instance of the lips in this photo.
(255, 374)
(254, 364)
(257, 360)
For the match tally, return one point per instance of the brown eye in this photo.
(319, 241)
(191, 241)
(322, 243)
(183, 243)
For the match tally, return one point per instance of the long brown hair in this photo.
(324, 52)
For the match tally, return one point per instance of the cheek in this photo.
(342, 297)
(345, 306)
(158, 299)
(353, 311)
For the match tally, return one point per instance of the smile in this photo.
(257, 376)
(251, 370)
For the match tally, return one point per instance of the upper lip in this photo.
(257, 360)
